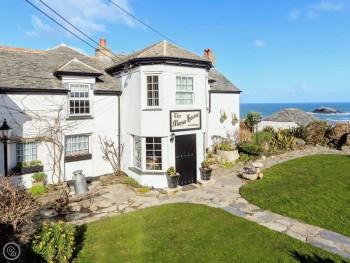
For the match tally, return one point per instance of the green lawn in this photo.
(190, 233)
(313, 189)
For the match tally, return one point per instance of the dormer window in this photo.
(79, 101)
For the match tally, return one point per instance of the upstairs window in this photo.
(79, 101)
(184, 91)
(26, 152)
(152, 91)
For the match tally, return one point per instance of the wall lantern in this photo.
(5, 134)
(172, 137)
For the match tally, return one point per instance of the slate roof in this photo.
(292, 115)
(163, 49)
(77, 67)
(219, 82)
(33, 69)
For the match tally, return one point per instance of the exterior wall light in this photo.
(172, 137)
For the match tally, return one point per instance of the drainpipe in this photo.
(119, 129)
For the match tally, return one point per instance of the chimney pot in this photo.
(208, 53)
(102, 42)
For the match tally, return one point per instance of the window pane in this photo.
(77, 144)
(26, 152)
(153, 153)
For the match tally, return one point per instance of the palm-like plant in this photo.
(252, 119)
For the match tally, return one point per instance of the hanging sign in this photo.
(185, 120)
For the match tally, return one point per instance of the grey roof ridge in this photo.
(65, 46)
(77, 61)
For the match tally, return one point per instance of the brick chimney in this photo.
(208, 53)
(102, 51)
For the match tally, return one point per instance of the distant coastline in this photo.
(267, 109)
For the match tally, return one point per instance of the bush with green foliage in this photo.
(316, 132)
(131, 181)
(55, 242)
(205, 164)
(229, 165)
(37, 190)
(250, 149)
(283, 141)
(39, 177)
(264, 136)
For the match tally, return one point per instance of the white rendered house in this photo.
(171, 105)
(161, 105)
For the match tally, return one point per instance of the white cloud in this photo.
(311, 15)
(327, 6)
(39, 26)
(294, 14)
(90, 16)
(259, 43)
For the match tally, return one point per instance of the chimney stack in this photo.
(103, 42)
(208, 53)
(102, 51)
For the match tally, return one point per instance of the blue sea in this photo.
(266, 109)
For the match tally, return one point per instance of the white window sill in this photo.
(152, 109)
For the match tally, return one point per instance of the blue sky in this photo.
(274, 51)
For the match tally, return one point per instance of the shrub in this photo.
(228, 165)
(336, 135)
(39, 177)
(17, 211)
(264, 136)
(225, 147)
(205, 164)
(316, 132)
(130, 181)
(144, 190)
(55, 242)
(37, 190)
(243, 157)
(245, 135)
(283, 140)
(250, 149)
(269, 129)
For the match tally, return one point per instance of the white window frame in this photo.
(153, 155)
(80, 146)
(78, 99)
(27, 153)
(137, 151)
(182, 89)
(154, 91)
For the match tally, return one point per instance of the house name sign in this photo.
(185, 120)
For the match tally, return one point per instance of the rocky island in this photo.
(326, 110)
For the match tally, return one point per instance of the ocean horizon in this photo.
(267, 109)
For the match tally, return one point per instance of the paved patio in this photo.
(222, 192)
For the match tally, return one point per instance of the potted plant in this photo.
(172, 177)
(28, 167)
(223, 116)
(39, 178)
(234, 119)
(205, 170)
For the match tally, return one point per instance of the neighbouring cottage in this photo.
(287, 118)
(161, 104)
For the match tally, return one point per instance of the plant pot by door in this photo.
(205, 173)
(173, 181)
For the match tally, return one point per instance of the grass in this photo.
(190, 233)
(313, 189)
